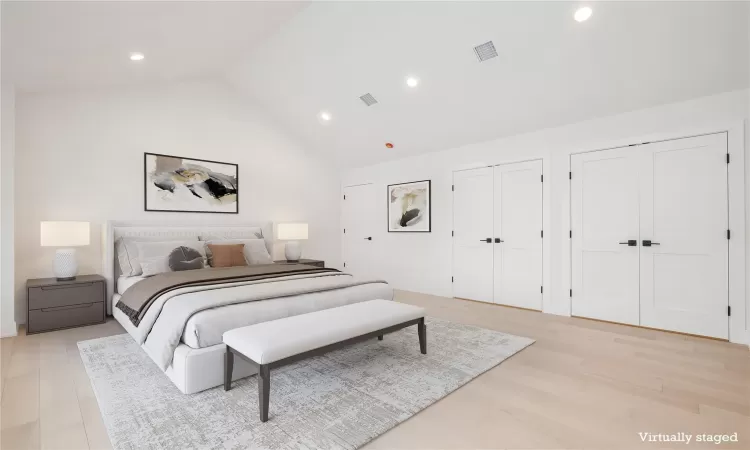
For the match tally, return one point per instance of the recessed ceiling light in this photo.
(583, 14)
(324, 115)
(412, 82)
(136, 56)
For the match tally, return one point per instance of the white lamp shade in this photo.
(292, 231)
(64, 234)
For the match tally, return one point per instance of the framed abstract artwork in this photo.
(173, 183)
(409, 207)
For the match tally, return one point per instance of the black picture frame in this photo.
(145, 184)
(429, 207)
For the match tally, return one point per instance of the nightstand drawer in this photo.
(65, 295)
(49, 319)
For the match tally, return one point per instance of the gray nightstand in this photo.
(307, 262)
(54, 305)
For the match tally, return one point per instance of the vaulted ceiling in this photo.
(81, 44)
(297, 59)
(550, 69)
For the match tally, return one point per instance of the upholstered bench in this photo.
(276, 343)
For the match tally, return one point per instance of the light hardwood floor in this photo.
(583, 384)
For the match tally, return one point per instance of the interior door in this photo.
(360, 208)
(605, 232)
(518, 234)
(472, 234)
(684, 215)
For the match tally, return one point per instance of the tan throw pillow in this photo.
(255, 250)
(227, 255)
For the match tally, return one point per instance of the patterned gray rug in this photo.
(343, 399)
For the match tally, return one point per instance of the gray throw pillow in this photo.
(185, 258)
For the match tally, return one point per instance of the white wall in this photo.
(7, 155)
(422, 262)
(80, 157)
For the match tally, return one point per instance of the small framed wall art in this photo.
(409, 207)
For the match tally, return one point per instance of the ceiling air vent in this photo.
(485, 51)
(368, 99)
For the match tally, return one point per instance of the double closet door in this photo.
(649, 235)
(497, 234)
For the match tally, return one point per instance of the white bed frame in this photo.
(197, 369)
(192, 370)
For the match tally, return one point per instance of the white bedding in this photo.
(203, 313)
(207, 327)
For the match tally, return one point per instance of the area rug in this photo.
(341, 400)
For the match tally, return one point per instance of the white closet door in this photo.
(604, 216)
(684, 210)
(518, 227)
(472, 227)
(359, 220)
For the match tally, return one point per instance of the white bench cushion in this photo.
(272, 341)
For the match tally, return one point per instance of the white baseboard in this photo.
(5, 332)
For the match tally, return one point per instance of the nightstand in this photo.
(54, 305)
(307, 262)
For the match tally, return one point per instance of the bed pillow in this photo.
(154, 266)
(185, 258)
(127, 251)
(255, 250)
(157, 254)
(227, 255)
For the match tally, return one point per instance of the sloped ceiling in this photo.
(550, 70)
(51, 45)
(298, 58)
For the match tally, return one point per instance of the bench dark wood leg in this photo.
(264, 390)
(228, 367)
(422, 330)
(380, 338)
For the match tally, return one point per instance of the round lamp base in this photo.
(292, 251)
(65, 265)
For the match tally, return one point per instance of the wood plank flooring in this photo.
(583, 384)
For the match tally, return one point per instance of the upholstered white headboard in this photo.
(114, 230)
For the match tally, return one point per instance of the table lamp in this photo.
(66, 235)
(292, 232)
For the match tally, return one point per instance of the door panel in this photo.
(359, 220)
(472, 224)
(604, 213)
(684, 209)
(518, 223)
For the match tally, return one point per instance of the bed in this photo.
(182, 329)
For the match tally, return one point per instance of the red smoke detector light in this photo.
(388, 145)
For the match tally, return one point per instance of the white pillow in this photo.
(155, 265)
(150, 252)
(255, 250)
(127, 251)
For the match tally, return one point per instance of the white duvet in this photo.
(200, 315)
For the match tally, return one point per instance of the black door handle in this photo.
(488, 240)
(369, 238)
(630, 243)
(498, 240)
(647, 243)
